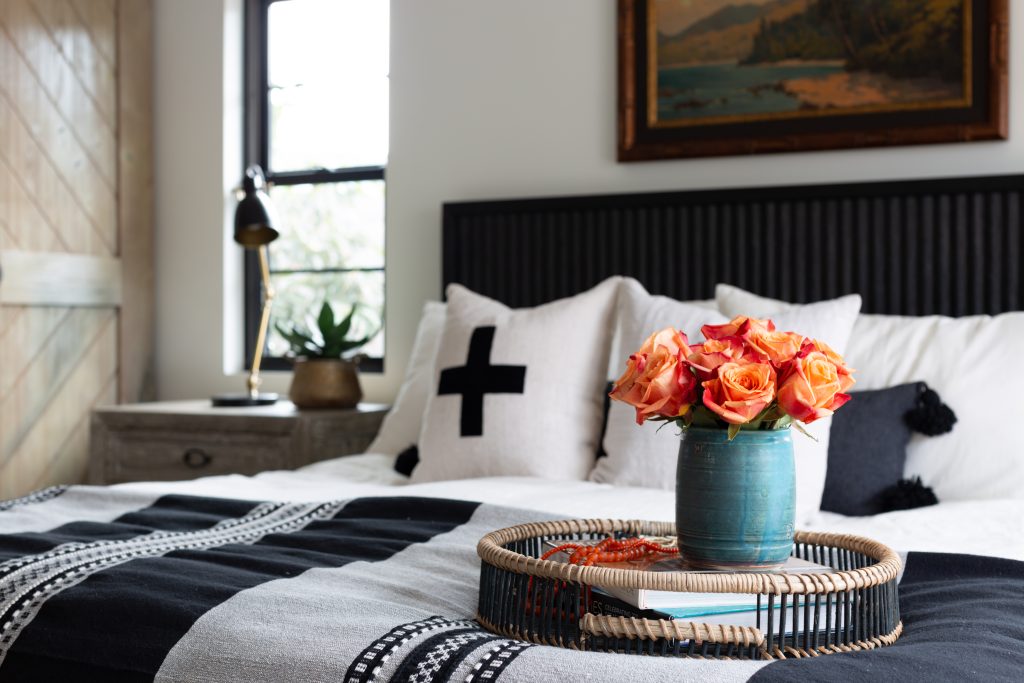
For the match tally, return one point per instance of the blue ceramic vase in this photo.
(735, 500)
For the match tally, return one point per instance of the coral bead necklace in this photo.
(611, 550)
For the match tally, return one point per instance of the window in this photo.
(317, 123)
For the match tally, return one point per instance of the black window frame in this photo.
(256, 150)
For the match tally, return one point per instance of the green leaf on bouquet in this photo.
(702, 417)
(772, 413)
(669, 422)
(734, 430)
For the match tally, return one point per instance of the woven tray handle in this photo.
(651, 629)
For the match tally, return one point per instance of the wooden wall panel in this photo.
(47, 427)
(59, 128)
(75, 227)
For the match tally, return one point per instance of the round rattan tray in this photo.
(856, 607)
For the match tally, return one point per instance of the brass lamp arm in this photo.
(261, 336)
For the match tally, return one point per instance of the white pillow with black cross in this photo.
(518, 392)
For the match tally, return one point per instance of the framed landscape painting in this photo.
(717, 77)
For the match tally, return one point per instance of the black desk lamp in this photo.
(254, 229)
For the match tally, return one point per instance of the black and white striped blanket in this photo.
(97, 584)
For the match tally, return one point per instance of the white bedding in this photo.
(983, 527)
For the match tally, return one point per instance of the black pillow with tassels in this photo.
(868, 449)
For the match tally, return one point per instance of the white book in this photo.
(706, 603)
(687, 605)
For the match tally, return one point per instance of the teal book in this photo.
(602, 603)
(686, 605)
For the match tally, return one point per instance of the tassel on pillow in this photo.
(907, 494)
(407, 460)
(931, 416)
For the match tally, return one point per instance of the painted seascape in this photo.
(721, 61)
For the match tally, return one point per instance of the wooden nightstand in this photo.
(189, 439)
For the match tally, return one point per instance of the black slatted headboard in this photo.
(951, 246)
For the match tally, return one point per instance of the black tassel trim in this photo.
(931, 416)
(907, 494)
(407, 460)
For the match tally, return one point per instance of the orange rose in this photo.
(669, 339)
(706, 358)
(657, 381)
(741, 391)
(812, 388)
(846, 379)
(778, 347)
(737, 326)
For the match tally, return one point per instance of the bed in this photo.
(348, 570)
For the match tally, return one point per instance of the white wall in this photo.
(489, 98)
(198, 104)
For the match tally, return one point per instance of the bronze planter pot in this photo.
(325, 383)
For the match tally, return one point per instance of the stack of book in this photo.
(736, 609)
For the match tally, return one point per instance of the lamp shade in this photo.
(254, 216)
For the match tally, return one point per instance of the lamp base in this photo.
(242, 400)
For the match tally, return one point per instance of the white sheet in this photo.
(984, 527)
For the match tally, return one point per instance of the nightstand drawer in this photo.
(165, 457)
(188, 439)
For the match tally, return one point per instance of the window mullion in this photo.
(318, 176)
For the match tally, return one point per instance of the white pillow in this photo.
(644, 455)
(829, 321)
(401, 426)
(974, 364)
(535, 378)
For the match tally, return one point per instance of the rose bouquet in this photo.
(745, 375)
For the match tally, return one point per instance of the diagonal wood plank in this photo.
(21, 219)
(64, 411)
(94, 73)
(37, 182)
(37, 377)
(7, 240)
(70, 461)
(9, 316)
(24, 339)
(28, 397)
(98, 18)
(44, 368)
(21, 206)
(40, 69)
(87, 229)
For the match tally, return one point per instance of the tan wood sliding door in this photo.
(75, 228)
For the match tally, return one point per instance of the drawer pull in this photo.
(196, 458)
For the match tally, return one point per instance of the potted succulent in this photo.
(325, 370)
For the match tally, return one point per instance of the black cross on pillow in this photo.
(477, 378)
